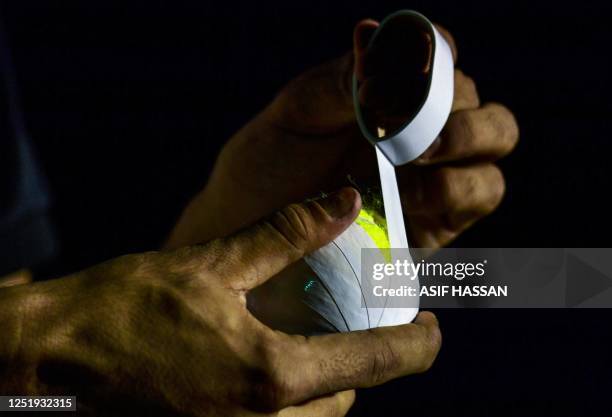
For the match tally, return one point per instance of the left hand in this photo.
(169, 333)
(307, 141)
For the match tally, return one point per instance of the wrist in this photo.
(15, 313)
(29, 323)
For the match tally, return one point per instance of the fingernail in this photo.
(341, 203)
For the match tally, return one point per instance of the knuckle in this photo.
(431, 343)
(448, 186)
(465, 130)
(189, 262)
(270, 389)
(293, 224)
(465, 93)
(477, 190)
(384, 361)
(469, 82)
(466, 82)
(504, 125)
(163, 298)
(496, 186)
(132, 260)
(135, 265)
(472, 91)
(267, 391)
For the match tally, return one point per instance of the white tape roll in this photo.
(340, 260)
(419, 132)
(328, 283)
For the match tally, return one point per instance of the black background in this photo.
(129, 102)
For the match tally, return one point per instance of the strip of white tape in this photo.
(396, 230)
(408, 144)
(338, 264)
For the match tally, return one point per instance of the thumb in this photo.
(259, 252)
(320, 100)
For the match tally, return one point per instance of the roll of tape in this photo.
(418, 132)
(338, 265)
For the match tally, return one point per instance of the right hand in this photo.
(307, 141)
(169, 332)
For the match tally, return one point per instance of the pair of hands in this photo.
(172, 330)
(307, 141)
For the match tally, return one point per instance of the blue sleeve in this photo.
(26, 237)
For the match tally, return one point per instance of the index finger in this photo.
(319, 365)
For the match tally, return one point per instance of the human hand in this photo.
(307, 141)
(169, 332)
